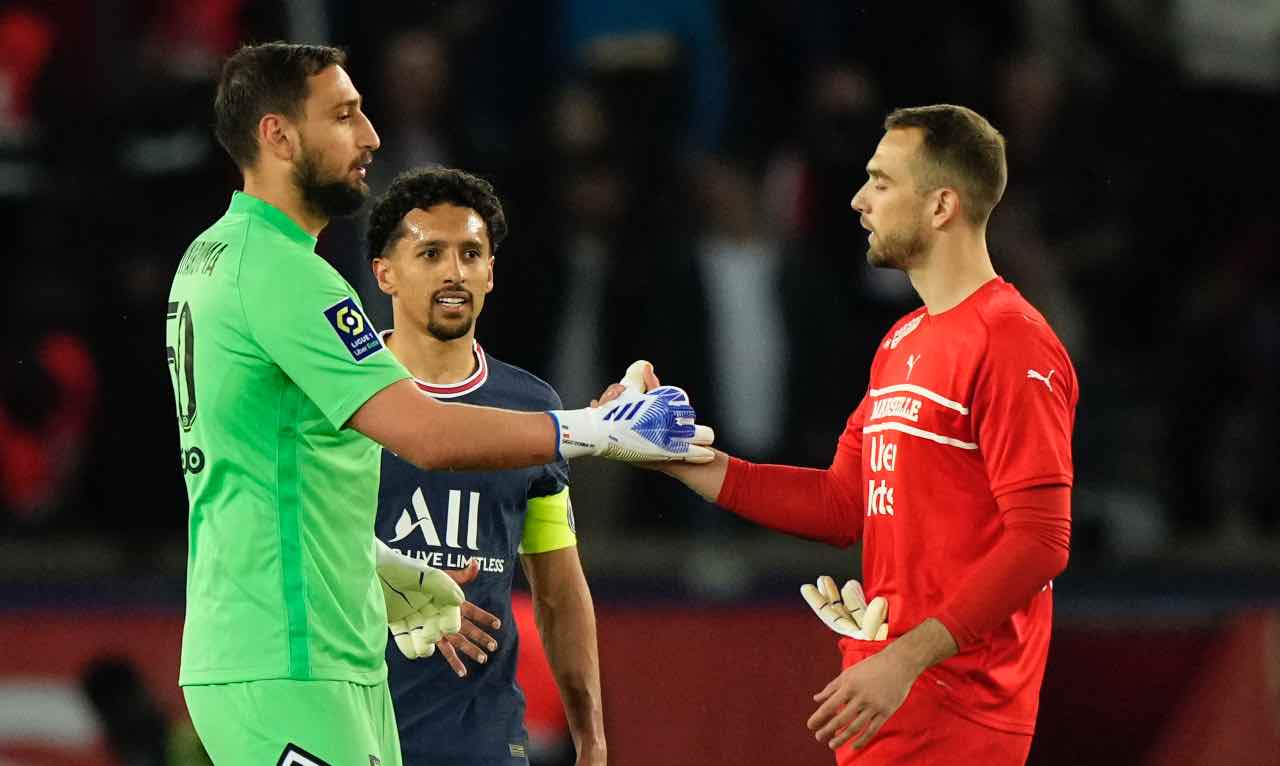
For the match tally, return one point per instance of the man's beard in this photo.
(449, 330)
(897, 251)
(332, 198)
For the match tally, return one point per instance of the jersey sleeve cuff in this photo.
(963, 637)
(735, 474)
(340, 413)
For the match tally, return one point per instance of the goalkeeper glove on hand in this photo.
(846, 611)
(636, 427)
(423, 603)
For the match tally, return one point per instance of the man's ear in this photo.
(384, 274)
(946, 207)
(277, 136)
(488, 288)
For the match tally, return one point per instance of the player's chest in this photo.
(920, 397)
(467, 510)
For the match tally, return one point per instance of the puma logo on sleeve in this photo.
(1033, 375)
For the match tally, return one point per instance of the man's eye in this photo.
(473, 254)
(344, 117)
(431, 252)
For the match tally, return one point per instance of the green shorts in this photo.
(295, 723)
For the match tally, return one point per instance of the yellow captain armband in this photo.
(548, 523)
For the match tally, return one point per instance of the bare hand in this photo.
(618, 389)
(471, 640)
(861, 699)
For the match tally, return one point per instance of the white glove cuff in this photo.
(578, 433)
(382, 554)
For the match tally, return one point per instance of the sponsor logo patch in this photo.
(354, 329)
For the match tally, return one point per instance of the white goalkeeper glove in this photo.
(423, 603)
(636, 427)
(846, 611)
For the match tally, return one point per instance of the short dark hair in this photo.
(425, 188)
(263, 79)
(962, 150)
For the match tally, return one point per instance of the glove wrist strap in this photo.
(577, 433)
(382, 554)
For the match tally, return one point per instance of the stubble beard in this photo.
(446, 331)
(897, 251)
(449, 329)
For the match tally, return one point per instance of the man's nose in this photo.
(857, 203)
(453, 272)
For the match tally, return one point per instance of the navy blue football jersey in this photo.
(448, 518)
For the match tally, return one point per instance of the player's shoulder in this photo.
(521, 386)
(900, 329)
(271, 260)
(1013, 324)
(1002, 309)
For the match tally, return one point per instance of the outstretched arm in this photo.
(824, 505)
(644, 427)
(816, 504)
(434, 435)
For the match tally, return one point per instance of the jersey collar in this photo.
(247, 204)
(453, 390)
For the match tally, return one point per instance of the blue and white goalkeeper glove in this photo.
(423, 603)
(637, 427)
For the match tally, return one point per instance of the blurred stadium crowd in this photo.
(677, 175)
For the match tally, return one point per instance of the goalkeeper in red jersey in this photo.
(954, 470)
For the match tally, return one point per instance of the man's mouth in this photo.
(453, 300)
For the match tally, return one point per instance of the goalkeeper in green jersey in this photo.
(284, 393)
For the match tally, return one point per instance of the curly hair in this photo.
(259, 79)
(424, 188)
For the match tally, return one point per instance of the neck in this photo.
(953, 270)
(429, 358)
(284, 195)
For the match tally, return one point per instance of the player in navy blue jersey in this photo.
(432, 239)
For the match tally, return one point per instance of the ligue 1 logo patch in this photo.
(354, 329)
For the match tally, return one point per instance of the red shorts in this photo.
(924, 731)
